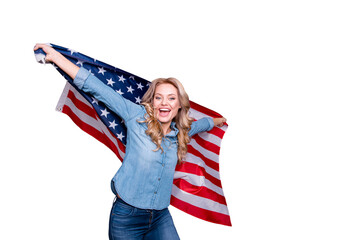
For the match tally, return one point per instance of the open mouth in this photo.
(164, 112)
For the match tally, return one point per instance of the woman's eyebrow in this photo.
(166, 94)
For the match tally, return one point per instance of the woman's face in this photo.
(166, 102)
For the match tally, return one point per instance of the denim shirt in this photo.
(145, 177)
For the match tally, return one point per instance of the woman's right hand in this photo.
(51, 53)
(55, 57)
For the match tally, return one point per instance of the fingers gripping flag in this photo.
(197, 187)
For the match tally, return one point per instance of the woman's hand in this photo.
(62, 62)
(51, 53)
(219, 121)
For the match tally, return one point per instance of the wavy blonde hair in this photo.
(182, 119)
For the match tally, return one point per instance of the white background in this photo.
(284, 73)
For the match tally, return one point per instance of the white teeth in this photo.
(164, 109)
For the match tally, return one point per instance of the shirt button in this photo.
(163, 164)
(155, 192)
(158, 179)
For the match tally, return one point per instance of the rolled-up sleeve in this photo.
(201, 125)
(80, 77)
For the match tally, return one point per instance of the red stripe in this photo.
(206, 144)
(192, 168)
(81, 105)
(201, 191)
(91, 130)
(210, 163)
(201, 213)
(204, 110)
(217, 132)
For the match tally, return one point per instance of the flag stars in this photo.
(95, 101)
(138, 99)
(130, 89)
(104, 112)
(139, 86)
(72, 51)
(120, 136)
(120, 92)
(121, 79)
(110, 82)
(112, 124)
(80, 63)
(101, 70)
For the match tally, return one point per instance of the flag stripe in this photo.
(210, 163)
(201, 213)
(189, 167)
(89, 110)
(218, 131)
(200, 202)
(210, 138)
(198, 161)
(204, 110)
(206, 144)
(206, 153)
(199, 181)
(199, 191)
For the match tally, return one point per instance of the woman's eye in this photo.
(172, 99)
(157, 98)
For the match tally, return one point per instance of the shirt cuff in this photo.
(81, 77)
(211, 123)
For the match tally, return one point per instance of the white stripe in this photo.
(191, 158)
(82, 115)
(200, 202)
(199, 181)
(63, 97)
(196, 114)
(210, 138)
(208, 154)
(78, 95)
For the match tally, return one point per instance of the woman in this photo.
(158, 132)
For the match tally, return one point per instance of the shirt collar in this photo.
(173, 130)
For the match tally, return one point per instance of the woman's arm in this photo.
(62, 62)
(205, 124)
(91, 84)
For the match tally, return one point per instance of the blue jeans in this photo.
(131, 223)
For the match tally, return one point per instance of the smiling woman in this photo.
(165, 101)
(143, 183)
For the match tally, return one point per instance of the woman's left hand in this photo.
(219, 121)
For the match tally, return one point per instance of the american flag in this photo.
(197, 187)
